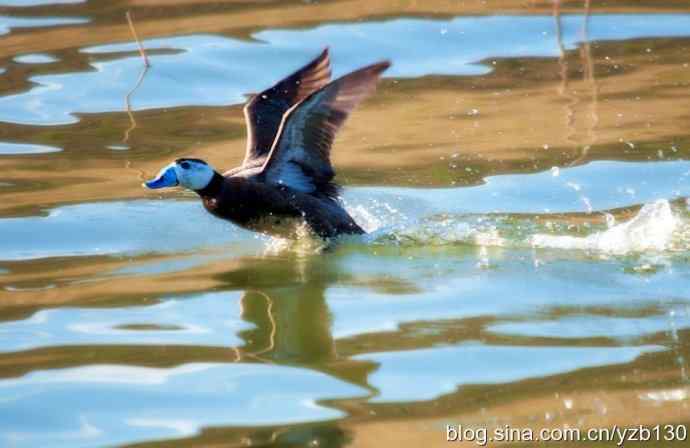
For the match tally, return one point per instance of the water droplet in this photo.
(118, 147)
(666, 395)
(483, 262)
(645, 268)
(610, 220)
(588, 205)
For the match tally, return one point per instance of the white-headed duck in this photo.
(286, 172)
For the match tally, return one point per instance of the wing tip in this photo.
(370, 71)
(323, 57)
(381, 66)
(376, 68)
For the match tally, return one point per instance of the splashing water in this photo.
(652, 229)
(655, 228)
(304, 243)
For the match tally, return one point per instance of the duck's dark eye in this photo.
(184, 165)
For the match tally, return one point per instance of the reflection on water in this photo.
(459, 47)
(448, 214)
(36, 58)
(25, 148)
(8, 23)
(160, 403)
(424, 374)
(25, 3)
(205, 320)
(523, 172)
(89, 229)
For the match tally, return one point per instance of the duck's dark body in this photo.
(286, 173)
(265, 208)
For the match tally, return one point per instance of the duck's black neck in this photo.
(213, 187)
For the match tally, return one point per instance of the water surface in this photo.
(523, 173)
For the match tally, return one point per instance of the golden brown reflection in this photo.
(615, 101)
(285, 298)
(292, 321)
(178, 17)
(614, 117)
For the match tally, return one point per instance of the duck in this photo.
(286, 176)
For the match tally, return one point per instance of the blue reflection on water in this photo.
(7, 148)
(456, 289)
(588, 326)
(601, 185)
(214, 70)
(117, 228)
(425, 374)
(115, 404)
(35, 58)
(137, 226)
(9, 22)
(211, 319)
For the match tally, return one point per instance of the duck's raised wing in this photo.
(300, 155)
(265, 110)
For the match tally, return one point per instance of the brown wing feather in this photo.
(264, 111)
(300, 154)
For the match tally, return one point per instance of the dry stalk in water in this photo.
(128, 105)
(136, 38)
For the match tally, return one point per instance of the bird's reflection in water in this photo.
(293, 327)
(289, 311)
(328, 434)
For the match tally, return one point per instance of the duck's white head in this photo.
(194, 174)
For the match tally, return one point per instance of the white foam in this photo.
(651, 229)
(302, 242)
(680, 394)
(367, 220)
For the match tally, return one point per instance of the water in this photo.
(522, 172)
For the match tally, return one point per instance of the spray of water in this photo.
(657, 228)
